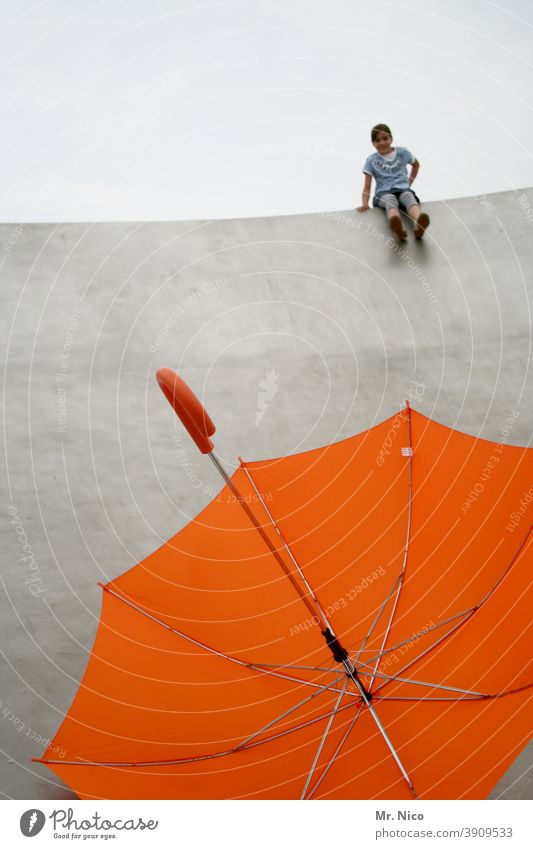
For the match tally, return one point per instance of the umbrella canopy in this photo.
(349, 622)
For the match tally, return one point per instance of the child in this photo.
(389, 168)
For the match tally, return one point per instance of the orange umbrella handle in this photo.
(188, 408)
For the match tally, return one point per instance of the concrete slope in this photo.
(297, 331)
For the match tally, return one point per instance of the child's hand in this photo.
(362, 208)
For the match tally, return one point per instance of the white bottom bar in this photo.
(264, 825)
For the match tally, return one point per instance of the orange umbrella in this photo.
(349, 622)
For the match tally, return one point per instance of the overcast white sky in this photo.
(173, 109)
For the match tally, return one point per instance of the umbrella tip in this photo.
(188, 408)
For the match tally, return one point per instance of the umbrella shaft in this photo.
(240, 498)
(351, 673)
(338, 651)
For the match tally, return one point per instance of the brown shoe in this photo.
(395, 223)
(422, 223)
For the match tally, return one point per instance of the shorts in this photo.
(403, 200)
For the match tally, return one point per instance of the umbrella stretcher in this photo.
(351, 622)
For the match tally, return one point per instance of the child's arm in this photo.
(414, 171)
(366, 194)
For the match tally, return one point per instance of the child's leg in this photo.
(409, 202)
(421, 219)
(390, 204)
(396, 224)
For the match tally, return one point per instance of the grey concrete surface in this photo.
(342, 323)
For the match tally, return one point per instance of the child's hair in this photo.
(379, 128)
